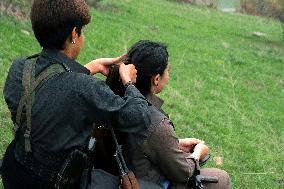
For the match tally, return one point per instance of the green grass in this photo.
(226, 87)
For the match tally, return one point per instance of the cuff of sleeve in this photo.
(196, 161)
(128, 83)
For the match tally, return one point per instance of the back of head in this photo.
(53, 20)
(150, 58)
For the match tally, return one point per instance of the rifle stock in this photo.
(128, 179)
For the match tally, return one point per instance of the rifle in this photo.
(72, 168)
(199, 179)
(207, 179)
(128, 179)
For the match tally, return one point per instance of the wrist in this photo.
(125, 80)
(196, 162)
(128, 84)
(195, 156)
(92, 68)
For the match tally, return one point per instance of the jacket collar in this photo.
(59, 57)
(155, 100)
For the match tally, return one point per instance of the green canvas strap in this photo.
(30, 85)
(27, 80)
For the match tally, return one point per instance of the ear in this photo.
(155, 79)
(74, 35)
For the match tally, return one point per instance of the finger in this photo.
(108, 61)
(191, 141)
(195, 141)
(105, 71)
(131, 66)
(119, 59)
(103, 61)
(121, 65)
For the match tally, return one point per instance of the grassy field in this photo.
(226, 87)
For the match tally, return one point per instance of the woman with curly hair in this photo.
(54, 100)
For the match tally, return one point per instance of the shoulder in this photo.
(84, 85)
(161, 126)
(15, 72)
(17, 65)
(158, 118)
(83, 81)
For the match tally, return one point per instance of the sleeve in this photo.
(13, 86)
(130, 112)
(162, 149)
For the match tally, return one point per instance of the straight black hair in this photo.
(150, 58)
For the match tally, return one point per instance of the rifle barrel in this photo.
(208, 179)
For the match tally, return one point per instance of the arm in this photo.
(188, 144)
(162, 147)
(102, 65)
(131, 111)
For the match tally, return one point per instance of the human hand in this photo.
(101, 65)
(127, 73)
(188, 144)
(200, 151)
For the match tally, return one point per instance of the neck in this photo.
(68, 53)
(153, 90)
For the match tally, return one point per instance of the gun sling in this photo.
(30, 85)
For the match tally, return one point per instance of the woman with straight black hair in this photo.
(157, 155)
